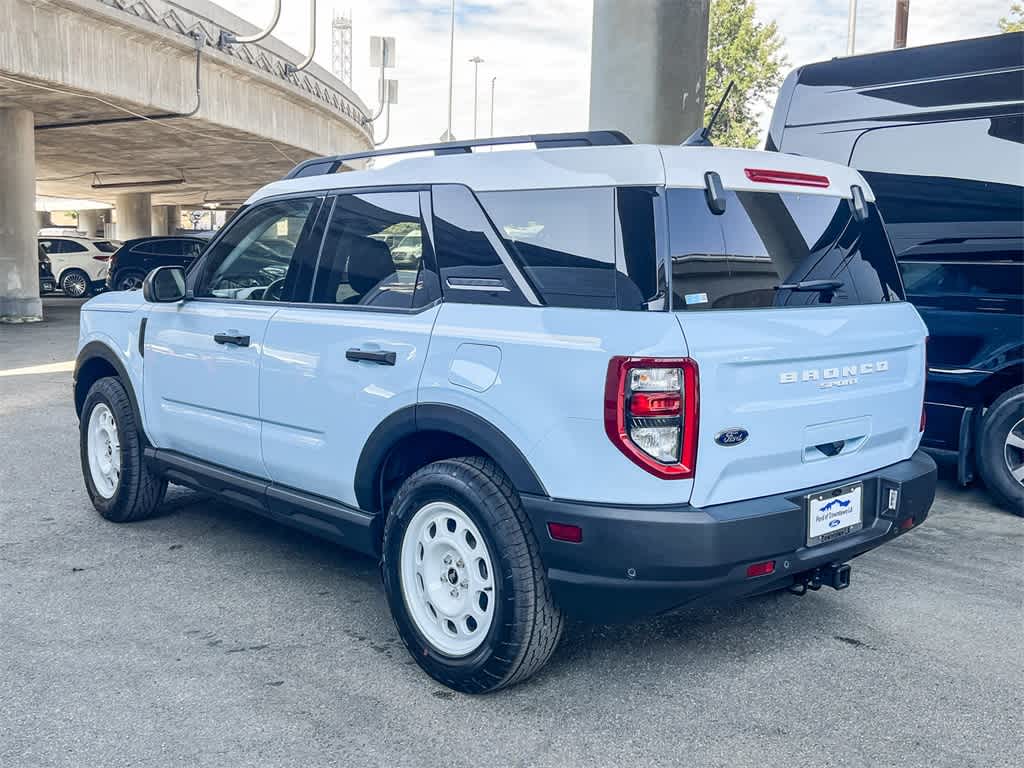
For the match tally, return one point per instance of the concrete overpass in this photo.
(134, 103)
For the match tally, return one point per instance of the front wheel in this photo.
(464, 578)
(1001, 449)
(120, 485)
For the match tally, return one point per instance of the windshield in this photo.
(777, 250)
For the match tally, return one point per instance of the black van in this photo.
(938, 132)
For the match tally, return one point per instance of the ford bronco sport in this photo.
(612, 380)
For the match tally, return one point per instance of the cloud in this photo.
(539, 50)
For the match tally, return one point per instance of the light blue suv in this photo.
(587, 377)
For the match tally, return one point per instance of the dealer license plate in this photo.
(834, 513)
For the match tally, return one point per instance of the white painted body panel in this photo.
(317, 407)
(202, 398)
(548, 396)
(746, 360)
(627, 165)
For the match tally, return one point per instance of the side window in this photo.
(47, 246)
(257, 256)
(472, 271)
(565, 240)
(639, 278)
(374, 254)
(957, 206)
(70, 246)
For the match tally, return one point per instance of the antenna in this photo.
(702, 136)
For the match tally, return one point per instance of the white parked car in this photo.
(79, 264)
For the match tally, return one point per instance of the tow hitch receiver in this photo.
(835, 575)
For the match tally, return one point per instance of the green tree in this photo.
(742, 50)
(1010, 24)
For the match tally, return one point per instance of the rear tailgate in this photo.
(792, 306)
(823, 393)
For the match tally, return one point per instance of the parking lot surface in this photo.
(209, 637)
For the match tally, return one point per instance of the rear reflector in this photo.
(907, 524)
(768, 176)
(655, 404)
(565, 532)
(761, 569)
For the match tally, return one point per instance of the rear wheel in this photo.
(464, 578)
(119, 484)
(75, 283)
(129, 281)
(1001, 450)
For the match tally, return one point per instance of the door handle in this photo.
(384, 358)
(227, 338)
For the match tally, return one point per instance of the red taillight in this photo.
(653, 402)
(768, 176)
(102, 257)
(924, 418)
(761, 569)
(565, 532)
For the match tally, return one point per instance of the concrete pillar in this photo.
(91, 222)
(165, 219)
(19, 260)
(648, 66)
(134, 215)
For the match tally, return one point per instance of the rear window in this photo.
(766, 241)
(104, 246)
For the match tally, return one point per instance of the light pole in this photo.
(492, 106)
(476, 61)
(851, 29)
(451, 74)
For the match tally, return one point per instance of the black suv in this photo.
(938, 132)
(136, 258)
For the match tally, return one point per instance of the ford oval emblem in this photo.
(733, 436)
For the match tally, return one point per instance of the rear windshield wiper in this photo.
(820, 286)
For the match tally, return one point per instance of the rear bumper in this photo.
(642, 560)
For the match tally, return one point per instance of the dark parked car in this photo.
(135, 258)
(938, 132)
(47, 283)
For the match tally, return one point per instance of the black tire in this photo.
(75, 283)
(527, 623)
(139, 491)
(129, 280)
(1004, 414)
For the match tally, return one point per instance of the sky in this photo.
(539, 51)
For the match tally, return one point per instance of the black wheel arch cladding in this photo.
(438, 417)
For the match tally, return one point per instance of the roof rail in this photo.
(320, 166)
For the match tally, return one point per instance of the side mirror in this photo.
(164, 285)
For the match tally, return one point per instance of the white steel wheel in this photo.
(104, 451)
(447, 579)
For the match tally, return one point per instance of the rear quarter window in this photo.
(589, 248)
(767, 240)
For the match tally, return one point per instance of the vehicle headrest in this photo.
(369, 262)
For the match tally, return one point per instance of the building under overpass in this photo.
(137, 104)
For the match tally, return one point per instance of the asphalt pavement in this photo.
(210, 637)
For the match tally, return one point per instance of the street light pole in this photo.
(900, 33)
(492, 106)
(851, 29)
(476, 61)
(451, 73)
